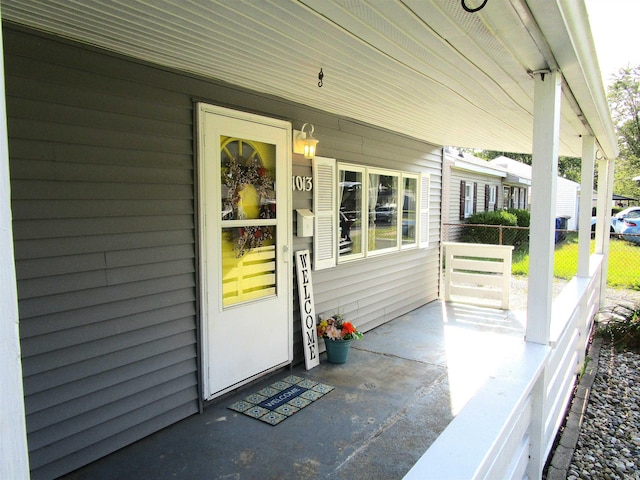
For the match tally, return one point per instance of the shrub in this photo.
(621, 324)
(524, 220)
(490, 235)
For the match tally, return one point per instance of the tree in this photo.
(624, 101)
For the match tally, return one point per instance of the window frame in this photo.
(493, 195)
(365, 209)
(469, 189)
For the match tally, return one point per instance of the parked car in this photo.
(385, 213)
(617, 221)
(593, 225)
(630, 229)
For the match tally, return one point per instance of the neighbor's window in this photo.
(493, 191)
(506, 202)
(468, 199)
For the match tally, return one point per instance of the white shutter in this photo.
(423, 239)
(324, 209)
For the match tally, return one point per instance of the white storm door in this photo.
(244, 178)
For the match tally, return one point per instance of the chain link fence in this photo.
(623, 260)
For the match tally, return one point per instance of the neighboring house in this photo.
(517, 184)
(471, 185)
(151, 198)
(518, 192)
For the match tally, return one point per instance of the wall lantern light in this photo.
(304, 143)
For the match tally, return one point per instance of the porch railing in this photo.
(477, 271)
(508, 428)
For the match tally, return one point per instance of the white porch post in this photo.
(14, 459)
(603, 222)
(544, 173)
(586, 193)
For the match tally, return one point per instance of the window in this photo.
(409, 210)
(516, 198)
(351, 209)
(493, 193)
(469, 199)
(507, 197)
(380, 211)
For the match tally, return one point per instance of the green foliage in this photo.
(624, 101)
(524, 220)
(491, 235)
(621, 324)
(565, 261)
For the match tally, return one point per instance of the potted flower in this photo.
(337, 335)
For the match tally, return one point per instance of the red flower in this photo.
(257, 233)
(347, 327)
(262, 171)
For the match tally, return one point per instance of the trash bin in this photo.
(561, 227)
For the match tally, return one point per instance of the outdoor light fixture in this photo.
(304, 143)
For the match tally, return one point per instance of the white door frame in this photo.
(209, 258)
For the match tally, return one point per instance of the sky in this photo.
(616, 33)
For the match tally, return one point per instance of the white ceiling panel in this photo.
(425, 68)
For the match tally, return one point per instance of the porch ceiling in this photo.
(425, 68)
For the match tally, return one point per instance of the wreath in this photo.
(236, 176)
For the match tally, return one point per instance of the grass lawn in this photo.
(624, 261)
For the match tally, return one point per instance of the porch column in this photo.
(603, 219)
(14, 459)
(604, 202)
(586, 194)
(544, 173)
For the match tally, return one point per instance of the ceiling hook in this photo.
(320, 77)
(473, 10)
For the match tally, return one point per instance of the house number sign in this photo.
(303, 184)
(307, 309)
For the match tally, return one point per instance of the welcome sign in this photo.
(307, 309)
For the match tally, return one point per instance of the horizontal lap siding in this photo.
(102, 179)
(103, 193)
(377, 289)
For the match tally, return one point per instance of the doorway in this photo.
(245, 216)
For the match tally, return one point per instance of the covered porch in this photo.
(449, 390)
(402, 386)
(458, 382)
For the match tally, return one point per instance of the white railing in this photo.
(477, 273)
(507, 429)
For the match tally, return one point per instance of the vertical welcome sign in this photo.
(307, 310)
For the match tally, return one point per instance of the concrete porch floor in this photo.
(402, 385)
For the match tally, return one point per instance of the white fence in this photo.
(507, 429)
(477, 273)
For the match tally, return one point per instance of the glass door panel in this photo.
(247, 173)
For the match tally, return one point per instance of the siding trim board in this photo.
(105, 200)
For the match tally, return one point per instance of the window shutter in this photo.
(423, 220)
(324, 209)
(486, 197)
(495, 205)
(462, 197)
(475, 197)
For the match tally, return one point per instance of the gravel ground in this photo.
(609, 441)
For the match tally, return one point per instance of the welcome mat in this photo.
(282, 399)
